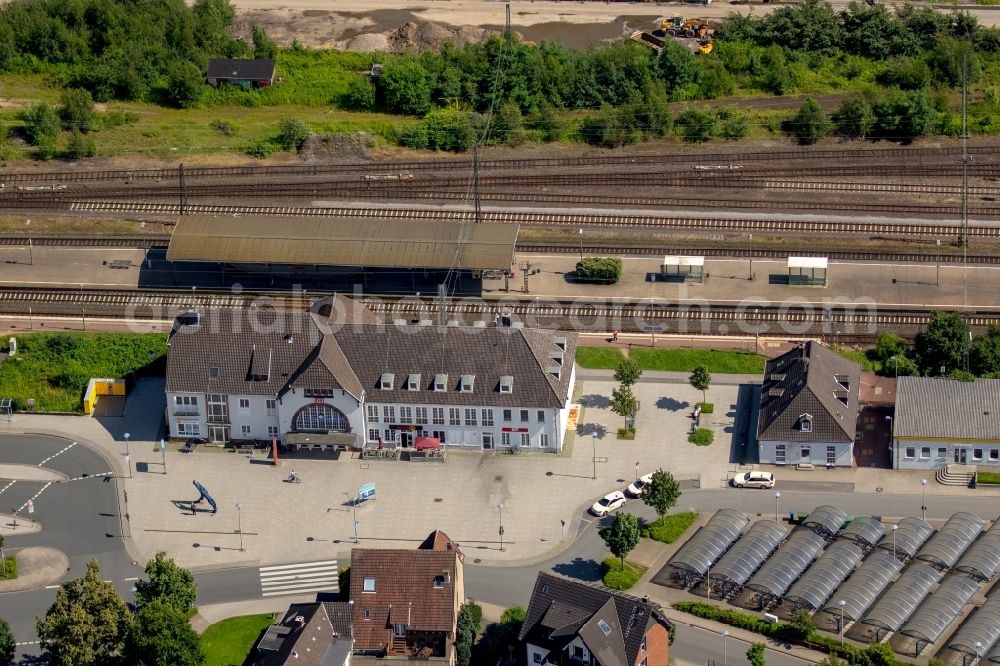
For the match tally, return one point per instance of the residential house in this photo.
(345, 379)
(570, 622)
(312, 634)
(405, 602)
(941, 421)
(809, 408)
(253, 73)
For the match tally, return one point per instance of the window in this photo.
(806, 453)
(977, 454)
(373, 413)
(506, 384)
(488, 417)
(454, 416)
(271, 406)
(372, 434)
(994, 454)
(525, 439)
(505, 439)
(245, 430)
(186, 400)
(388, 413)
(318, 392)
(218, 408)
(645, 662)
(831, 455)
(805, 422)
(189, 428)
(524, 416)
(925, 452)
(540, 416)
(213, 373)
(385, 381)
(911, 453)
(439, 435)
(368, 613)
(942, 452)
(536, 657)
(543, 441)
(470, 416)
(779, 454)
(507, 415)
(437, 415)
(468, 381)
(391, 435)
(272, 431)
(369, 584)
(578, 651)
(440, 382)
(642, 646)
(406, 415)
(413, 383)
(604, 627)
(320, 418)
(244, 404)
(421, 416)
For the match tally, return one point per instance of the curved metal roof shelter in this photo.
(983, 559)
(861, 589)
(952, 540)
(704, 548)
(864, 530)
(749, 553)
(903, 597)
(826, 519)
(794, 556)
(941, 608)
(816, 586)
(994, 656)
(911, 534)
(983, 626)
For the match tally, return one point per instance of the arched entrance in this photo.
(320, 418)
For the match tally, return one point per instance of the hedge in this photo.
(605, 270)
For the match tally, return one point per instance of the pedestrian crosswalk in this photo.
(301, 578)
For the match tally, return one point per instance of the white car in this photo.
(753, 480)
(608, 503)
(636, 487)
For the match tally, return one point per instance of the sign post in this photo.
(163, 452)
(31, 507)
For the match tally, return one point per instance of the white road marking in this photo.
(65, 449)
(89, 476)
(34, 497)
(285, 579)
(8, 486)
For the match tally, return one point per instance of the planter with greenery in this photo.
(701, 437)
(669, 528)
(620, 575)
(599, 270)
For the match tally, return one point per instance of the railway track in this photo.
(698, 158)
(556, 219)
(757, 317)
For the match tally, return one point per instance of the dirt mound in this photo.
(425, 35)
(368, 42)
(329, 147)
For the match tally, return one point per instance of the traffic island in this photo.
(37, 566)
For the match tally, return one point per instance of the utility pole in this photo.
(184, 196)
(475, 183)
(965, 204)
(442, 313)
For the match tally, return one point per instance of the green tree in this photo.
(628, 372)
(903, 366)
(41, 123)
(87, 623)
(76, 109)
(404, 88)
(508, 126)
(449, 129)
(887, 345)
(755, 655)
(700, 380)
(469, 621)
(811, 123)
(661, 493)
(942, 343)
(360, 94)
(677, 65)
(185, 85)
(778, 77)
(162, 636)
(264, 47)
(8, 647)
(855, 118)
(292, 133)
(623, 403)
(167, 582)
(623, 536)
(904, 116)
(984, 356)
(696, 125)
(803, 621)
(714, 80)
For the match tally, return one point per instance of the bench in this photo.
(804, 466)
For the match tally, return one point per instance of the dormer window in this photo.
(385, 381)
(844, 381)
(557, 357)
(213, 373)
(468, 381)
(561, 343)
(368, 585)
(438, 582)
(413, 382)
(440, 382)
(806, 422)
(506, 384)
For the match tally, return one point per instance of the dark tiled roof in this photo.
(241, 70)
(339, 613)
(805, 381)
(404, 593)
(267, 353)
(302, 643)
(939, 407)
(580, 608)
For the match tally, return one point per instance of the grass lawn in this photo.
(987, 477)
(685, 360)
(227, 643)
(598, 358)
(54, 368)
(8, 569)
(618, 579)
(707, 407)
(669, 528)
(859, 357)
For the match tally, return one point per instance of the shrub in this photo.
(41, 123)
(627, 434)
(184, 85)
(449, 129)
(80, 146)
(112, 119)
(292, 133)
(706, 407)
(360, 94)
(701, 437)
(618, 578)
(223, 127)
(605, 270)
(669, 528)
(344, 579)
(810, 124)
(261, 149)
(414, 136)
(696, 125)
(76, 110)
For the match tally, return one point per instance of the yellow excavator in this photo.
(678, 26)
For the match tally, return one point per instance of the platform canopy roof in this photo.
(807, 262)
(746, 556)
(709, 543)
(344, 241)
(908, 537)
(896, 606)
(860, 591)
(983, 627)
(941, 608)
(823, 577)
(952, 540)
(786, 565)
(983, 559)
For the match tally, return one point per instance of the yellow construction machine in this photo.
(678, 26)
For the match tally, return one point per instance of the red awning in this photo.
(424, 443)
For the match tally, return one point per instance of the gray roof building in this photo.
(268, 353)
(942, 408)
(810, 394)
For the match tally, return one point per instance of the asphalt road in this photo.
(79, 517)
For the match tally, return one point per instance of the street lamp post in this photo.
(841, 603)
(500, 508)
(239, 523)
(593, 439)
(725, 647)
(581, 243)
(923, 499)
(979, 654)
(777, 496)
(31, 255)
(128, 456)
(751, 257)
(894, 528)
(83, 308)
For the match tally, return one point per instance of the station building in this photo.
(346, 379)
